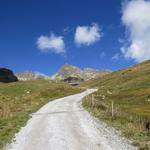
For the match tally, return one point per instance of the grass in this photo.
(129, 89)
(18, 100)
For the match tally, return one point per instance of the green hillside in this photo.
(19, 99)
(129, 90)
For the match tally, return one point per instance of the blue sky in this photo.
(42, 35)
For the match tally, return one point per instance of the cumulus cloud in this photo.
(136, 19)
(87, 35)
(51, 44)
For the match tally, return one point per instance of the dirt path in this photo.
(64, 125)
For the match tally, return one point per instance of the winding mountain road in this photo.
(63, 124)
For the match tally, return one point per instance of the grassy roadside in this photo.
(19, 100)
(129, 89)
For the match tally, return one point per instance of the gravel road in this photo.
(63, 124)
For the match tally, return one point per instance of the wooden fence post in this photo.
(92, 100)
(112, 109)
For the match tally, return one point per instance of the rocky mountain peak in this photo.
(30, 75)
(67, 71)
(72, 72)
(69, 67)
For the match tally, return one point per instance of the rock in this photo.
(7, 76)
(73, 80)
(29, 75)
(68, 73)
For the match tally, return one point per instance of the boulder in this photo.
(7, 76)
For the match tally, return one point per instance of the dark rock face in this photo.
(7, 76)
(73, 80)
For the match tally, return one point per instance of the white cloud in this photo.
(116, 56)
(51, 44)
(87, 35)
(136, 18)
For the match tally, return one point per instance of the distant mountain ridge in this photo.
(30, 75)
(68, 71)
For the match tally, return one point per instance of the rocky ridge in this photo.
(69, 71)
(29, 75)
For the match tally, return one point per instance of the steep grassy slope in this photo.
(129, 89)
(19, 100)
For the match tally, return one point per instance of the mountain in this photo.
(29, 75)
(89, 73)
(7, 75)
(69, 73)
